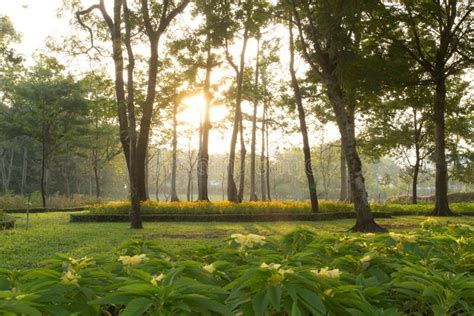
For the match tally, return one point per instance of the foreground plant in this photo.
(426, 272)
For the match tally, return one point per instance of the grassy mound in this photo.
(427, 272)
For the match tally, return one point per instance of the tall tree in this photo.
(438, 36)
(330, 32)
(49, 107)
(154, 21)
(313, 196)
(253, 193)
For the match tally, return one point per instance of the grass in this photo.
(51, 233)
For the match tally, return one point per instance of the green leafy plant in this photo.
(425, 272)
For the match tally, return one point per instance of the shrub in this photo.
(11, 201)
(457, 197)
(274, 207)
(220, 207)
(301, 274)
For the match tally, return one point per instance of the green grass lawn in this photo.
(51, 233)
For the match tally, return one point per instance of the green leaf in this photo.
(20, 308)
(295, 311)
(114, 298)
(259, 303)
(313, 300)
(137, 306)
(274, 296)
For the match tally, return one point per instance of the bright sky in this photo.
(35, 20)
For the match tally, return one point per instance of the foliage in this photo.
(428, 271)
(273, 207)
(457, 197)
(11, 201)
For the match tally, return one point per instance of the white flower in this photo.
(78, 264)
(157, 279)
(128, 261)
(402, 237)
(271, 266)
(249, 240)
(209, 268)
(278, 274)
(327, 273)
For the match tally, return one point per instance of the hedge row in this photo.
(274, 207)
(46, 210)
(458, 197)
(220, 217)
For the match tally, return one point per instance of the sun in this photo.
(193, 108)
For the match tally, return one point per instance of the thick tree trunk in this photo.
(441, 181)
(343, 194)
(308, 169)
(232, 194)
(253, 194)
(345, 120)
(136, 219)
(263, 187)
(174, 195)
(203, 159)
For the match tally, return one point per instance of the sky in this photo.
(36, 20)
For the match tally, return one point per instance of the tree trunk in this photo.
(147, 176)
(43, 175)
(416, 170)
(97, 181)
(253, 194)
(188, 192)
(441, 182)
(145, 123)
(203, 160)
(343, 194)
(263, 186)
(267, 158)
(157, 176)
(24, 170)
(345, 120)
(174, 195)
(136, 220)
(232, 194)
(243, 153)
(308, 169)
